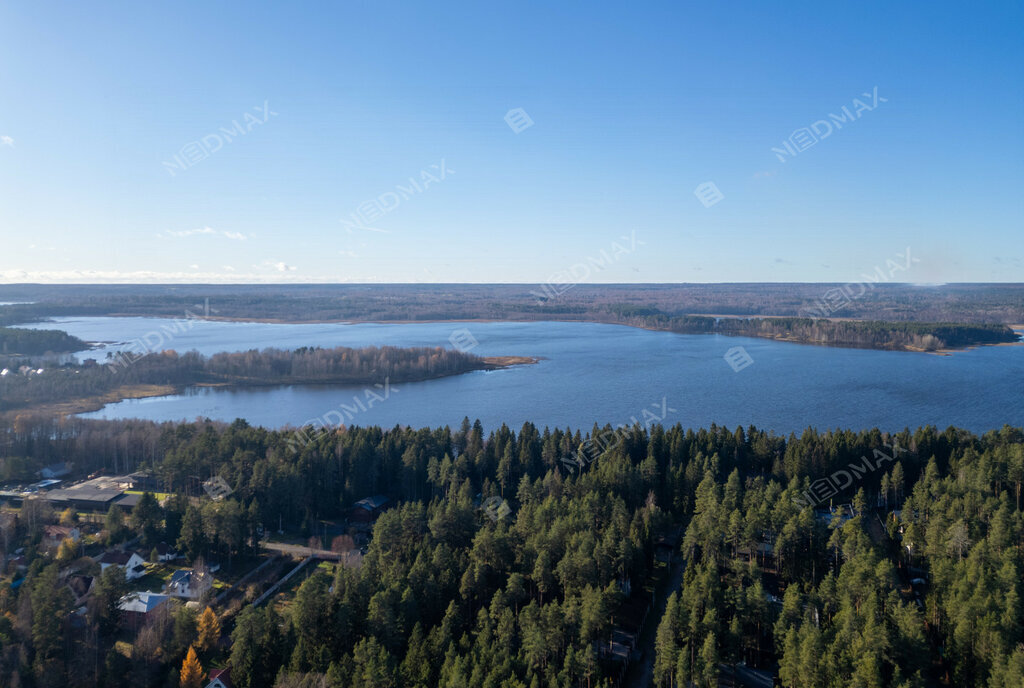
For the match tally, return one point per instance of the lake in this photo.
(590, 373)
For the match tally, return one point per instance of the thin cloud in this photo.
(280, 266)
(6, 141)
(209, 231)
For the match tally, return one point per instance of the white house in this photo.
(189, 584)
(134, 566)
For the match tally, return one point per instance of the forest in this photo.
(915, 581)
(307, 365)
(870, 334)
(25, 342)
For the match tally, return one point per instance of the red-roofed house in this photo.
(219, 678)
(54, 535)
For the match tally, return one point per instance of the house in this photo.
(219, 678)
(137, 606)
(369, 508)
(17, 563)
(134, 566)
(189, 584)
(55, 470)
(54, 535)
(164, 552)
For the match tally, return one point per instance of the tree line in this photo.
(25, 342)
(450, 594)
(307, 365)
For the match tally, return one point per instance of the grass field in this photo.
(160, 496)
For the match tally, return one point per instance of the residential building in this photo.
(132, 563)
(54, 535)
(369, 508)
(136, 607)
(219, 678)
(189, 584)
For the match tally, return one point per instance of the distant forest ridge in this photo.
(875, 315)
(869, 300)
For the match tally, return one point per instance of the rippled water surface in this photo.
(591, 373)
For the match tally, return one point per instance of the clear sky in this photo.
(117, 162)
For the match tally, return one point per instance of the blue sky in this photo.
(633, 108)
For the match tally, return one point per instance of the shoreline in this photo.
(71, 407)
(1018, 329)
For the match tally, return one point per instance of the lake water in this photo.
(591, 373)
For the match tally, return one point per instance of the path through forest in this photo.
(641, 672)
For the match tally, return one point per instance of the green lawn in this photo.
(152, 581)
(160, 496)
(157, 576)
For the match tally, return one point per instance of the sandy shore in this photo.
(95, 403)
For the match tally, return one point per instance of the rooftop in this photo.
(141, 602)
(371, 503)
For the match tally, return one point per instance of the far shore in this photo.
(1019, 329)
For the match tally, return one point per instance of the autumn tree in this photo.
(191, 670)
(209, 630)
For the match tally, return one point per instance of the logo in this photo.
(738, 358)
(708, 194)
(496, 508)
(217, 488)
(518, 120)
(463, 340)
